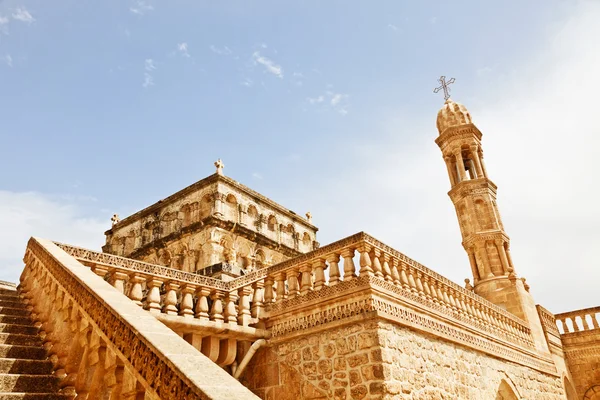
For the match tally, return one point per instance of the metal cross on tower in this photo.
(444, 86)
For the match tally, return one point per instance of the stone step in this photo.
(13, 304)
(20, 339)
(15, 319)
(34, 396)
(13, 311)
(18, 328)
(23, 352)
(29, 367)
(10, 297)
(10, 383)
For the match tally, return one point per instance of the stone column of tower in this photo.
(483, 236)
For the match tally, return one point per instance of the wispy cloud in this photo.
(149, 64)
(183, 49)
(8, 60)
(148, 80)
(247, 82)
(332, 100)
(21, 14)
(256, 175)
(224, 51)
(141, 7)
(392, 27)
(149, 67)
(270, 65)
(52, 217)
(433, 20)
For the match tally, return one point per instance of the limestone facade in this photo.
(215, 220)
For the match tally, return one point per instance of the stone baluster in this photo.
(404, 276)
(269, 295)
(136, 293)
(187, 301)
(292, 280)
(419, 283)
(586, 325)
(216, 311)
(433, 290)
(306, 279)
(202, 309)
(280, 282)
(376, 263)
(594, 321)
(153, 297)
(117, 279)
(366, 264)
(349, 269)
(230, 311)
(170, 300)
(257, 299)
(334, 269)
(385, 267)
(395, 272)
(244, 313)
(99, 270)
(411, 281)
(426, 289)
(319, 268)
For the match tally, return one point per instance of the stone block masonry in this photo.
(381, 360)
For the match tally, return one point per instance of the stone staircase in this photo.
(25, 371)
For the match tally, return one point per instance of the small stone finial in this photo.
(219, 164)
(309, 216)
(115, 219)
(525, 285)
(468, 285)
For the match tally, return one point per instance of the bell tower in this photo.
(483, 236)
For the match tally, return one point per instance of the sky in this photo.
(323, 106)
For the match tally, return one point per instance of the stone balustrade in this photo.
(361, 255)
(103, 345)
(578, 321)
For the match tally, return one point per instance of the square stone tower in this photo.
(216, 227)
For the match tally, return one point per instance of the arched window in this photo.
(507, 391)
(206, 205)
(592, 393)
(231, 208)
(484, 215)
(306, 239)
(272, 223)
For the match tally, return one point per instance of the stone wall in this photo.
(583, 359)
(380, 360)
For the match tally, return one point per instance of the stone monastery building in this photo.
(217, 292)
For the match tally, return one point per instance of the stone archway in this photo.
(592, 393)
(506, 391)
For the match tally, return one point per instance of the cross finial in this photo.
(115, 219)
(219, 164)
(444, 86)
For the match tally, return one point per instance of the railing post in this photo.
(366, 265)
(202, 303)
(117, 279)
(230, 312)
(387, 271)
(187, 301)
(170, 306)
(153, 297)
(292, 281)
(306, 282)
(244, 305)
(319, 268)
(280, 281)
(135, 292)
(216, 311)
(377, 268)
(334, 269)
(257, 299)
(269, 295)
(349, 269)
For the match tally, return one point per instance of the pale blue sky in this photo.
(325, 106)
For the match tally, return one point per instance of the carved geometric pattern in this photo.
(161, 377)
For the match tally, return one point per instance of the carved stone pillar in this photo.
(475, 157)
(460, 164)
(219, 203)
(502, 253)
(451, 173)
(483, 257)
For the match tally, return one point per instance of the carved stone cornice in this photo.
(372, 297)
(470, 240)
(455, 133)
(472, 187)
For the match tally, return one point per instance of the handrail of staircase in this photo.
(100, 342)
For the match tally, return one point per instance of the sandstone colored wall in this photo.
(381, 360)
(582, 353)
